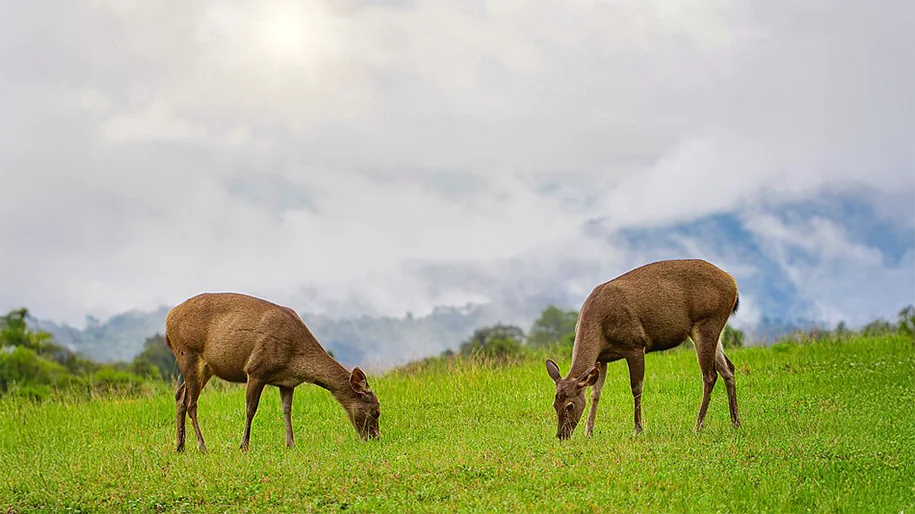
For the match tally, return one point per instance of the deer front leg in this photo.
(595, 398)
(636, 376)
(252, 398)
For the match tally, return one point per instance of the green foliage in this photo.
(906, 321)
(32, 365)
(111, 379)
(553, 326)
(23, 365)
(156, 360)
(878, 327)
(14, 331)
(731, 337)
(496, 341)
(31, 392)
(827, 428)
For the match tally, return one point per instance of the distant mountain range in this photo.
(833, 259)
(366, 341)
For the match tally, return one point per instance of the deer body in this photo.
(240, 338)
(651, 308)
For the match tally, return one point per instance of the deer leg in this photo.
(595, 398)
(636, 375)
(195, 383)
(181, 406)
(286, 398)
(726, 369)
(252, 398)
(706, 342)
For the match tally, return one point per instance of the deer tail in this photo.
(736, 304)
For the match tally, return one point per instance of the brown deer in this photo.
(240, 338)
(651, 308)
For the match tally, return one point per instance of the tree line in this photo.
(556, 328)
(32, 364)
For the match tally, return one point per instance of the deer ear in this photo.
(358, 381)
(553, 370)
(589, 378)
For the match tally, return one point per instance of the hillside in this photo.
(827, 427)
(365, 341)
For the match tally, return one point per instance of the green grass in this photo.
(827, 427)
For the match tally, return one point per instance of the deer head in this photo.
(570, 397)
(363, 408)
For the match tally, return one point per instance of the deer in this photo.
(652, 308)
(244, 339)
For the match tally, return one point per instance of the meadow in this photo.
(827, 427)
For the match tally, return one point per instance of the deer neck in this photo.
(584, 353)
(327, 373)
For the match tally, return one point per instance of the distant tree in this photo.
(842, 330)
(732, 337)
(24, 366)
(156, 360)
(906, 322)
(878, 327)
(554, 325)
(14, 331)
(494, 341)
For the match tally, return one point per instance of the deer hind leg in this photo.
(189, 364)
(636, 364)
(726, 369)
(197, 377)
(181, 417)
(595, 398)
(705, 337)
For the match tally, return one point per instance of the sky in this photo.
(357, 158)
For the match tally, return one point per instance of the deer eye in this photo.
(570, 406)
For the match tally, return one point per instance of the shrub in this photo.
(32, 392)
(496, 341)
(24, 365)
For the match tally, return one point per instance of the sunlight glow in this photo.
(294, 37)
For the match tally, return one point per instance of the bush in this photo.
(496, 341)
(496, 347)
(23, 365)
(553, 326)
(906, 323)
(116, 379)
(32, 392)
(731, 337)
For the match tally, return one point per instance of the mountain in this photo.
(365, 341)
(797, 265)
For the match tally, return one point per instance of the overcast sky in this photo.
(356, 157)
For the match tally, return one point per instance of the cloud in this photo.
(353, 158)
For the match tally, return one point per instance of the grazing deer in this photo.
(651, 308)
(240, 338)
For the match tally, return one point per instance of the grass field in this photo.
(827, 427)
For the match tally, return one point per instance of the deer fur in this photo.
(240, 338)
(651, 308)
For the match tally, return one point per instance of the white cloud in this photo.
(154, 123)
(388, 138)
